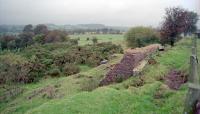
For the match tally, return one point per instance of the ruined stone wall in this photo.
(131, 59)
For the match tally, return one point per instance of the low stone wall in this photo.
(131, 59)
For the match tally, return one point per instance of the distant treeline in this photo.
(95, 31)
(11, 29)
(40, 34)
(33, 35)
(70, 29)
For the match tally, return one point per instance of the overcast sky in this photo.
(109, 12)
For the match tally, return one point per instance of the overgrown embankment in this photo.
(143, 94)
(38, 61)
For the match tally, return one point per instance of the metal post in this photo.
(193, 94)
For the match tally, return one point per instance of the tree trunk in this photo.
(172, 42)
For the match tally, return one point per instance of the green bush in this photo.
(94, 40)
(39, 38)
(15, 68)
(32, 63)
(91, 55)
(4, 41)
(90, 84)
(141, 36)
(93, 61)
(71, 69)
(56, 36)
(26, 39)
(11, 67)
(73, 41)
(11, 44)
(54, 72)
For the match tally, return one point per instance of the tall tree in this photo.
(191, 20)
(26, 39)
(55, 36)
(28, 28)
(141, 36)
(177, 21)
(4, 41)
(41, 29)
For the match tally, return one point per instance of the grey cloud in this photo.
(109, 12)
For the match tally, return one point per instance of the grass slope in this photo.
(144, 94)
(65, 87)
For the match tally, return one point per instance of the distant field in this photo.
(114, 38)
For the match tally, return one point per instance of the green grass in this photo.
(114, 38)
(81, 94)
(84, 68)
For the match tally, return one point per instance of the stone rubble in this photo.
(131, 60)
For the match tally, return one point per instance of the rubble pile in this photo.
(131, 59)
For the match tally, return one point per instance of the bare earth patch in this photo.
(197, 110)
(174, 79)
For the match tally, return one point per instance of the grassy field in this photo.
(80, 94)
(114, 38)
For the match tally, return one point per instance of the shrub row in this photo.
(34, 62)
(14, 68)
(141, 36)
(91, 55)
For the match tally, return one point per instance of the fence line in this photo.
(193, 94)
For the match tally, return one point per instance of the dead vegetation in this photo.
(174, 79)
(10, 92)
(49, 92)
(160, 95)
(152, 61)
(140, 81)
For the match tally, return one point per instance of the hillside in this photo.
(145, 93)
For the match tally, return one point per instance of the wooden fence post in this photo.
(193, 94)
